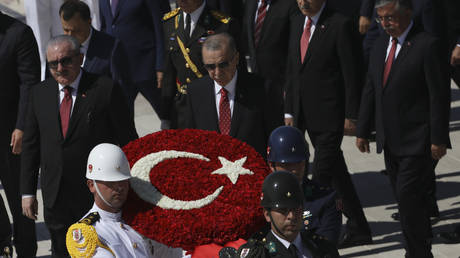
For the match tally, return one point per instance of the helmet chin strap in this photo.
(276, 227)
(100, 195)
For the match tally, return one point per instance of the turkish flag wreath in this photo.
(194, 187)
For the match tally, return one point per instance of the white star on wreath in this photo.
(232, 169)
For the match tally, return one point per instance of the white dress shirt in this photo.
(195, 16)
(401, 40)
(231, 88)
(302, 251)
(74, 86)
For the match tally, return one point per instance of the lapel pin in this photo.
(323, 27)
(408, 43)
(83, 95)
(210, 32)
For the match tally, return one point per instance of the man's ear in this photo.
(90, 184)
(266, 215)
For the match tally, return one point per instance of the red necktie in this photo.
(64, 110)
(260, 20)
(390, 59)
(224, 112)
(305, 39)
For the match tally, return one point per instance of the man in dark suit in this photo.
(103, 54)
(19, 70)
(137, 24)
(408, 91)
(68, 115)
(183, 53)
(322, 97)
(264, 44)
(227, 101)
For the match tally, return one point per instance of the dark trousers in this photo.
(329, 169)
(410, 179)
(23, 233)
(148, 89)
(69, 208)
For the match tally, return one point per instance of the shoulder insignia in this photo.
(171, 14)
(81, 240)
(91, 218)
(221, 17)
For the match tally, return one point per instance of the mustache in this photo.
(63, 73)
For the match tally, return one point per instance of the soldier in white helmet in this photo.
(102, 233)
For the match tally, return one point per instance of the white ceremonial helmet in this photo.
(107, 162)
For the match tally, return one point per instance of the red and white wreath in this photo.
(194, 187)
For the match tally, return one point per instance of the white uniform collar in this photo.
(106, 215)
(297, 241)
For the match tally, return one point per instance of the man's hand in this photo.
(159, 79)
(349, 127)
(289, 121)
(16, 141)
(30, 207)
(362, 144)
(364, 24)
(455, 58)
(438, 151)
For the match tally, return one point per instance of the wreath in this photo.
(194, 187)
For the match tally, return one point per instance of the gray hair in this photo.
(73, 42)
(220, 41)
(407, 4)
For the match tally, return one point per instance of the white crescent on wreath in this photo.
(140, 181)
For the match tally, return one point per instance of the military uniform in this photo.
(104, 234)
(266, 245)
(321, 212)
(183, 62)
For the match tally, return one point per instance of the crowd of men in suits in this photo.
(301, 63)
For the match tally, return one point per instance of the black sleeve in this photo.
(28, 69)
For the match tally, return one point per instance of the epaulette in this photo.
(82, 239)
(171, 14)
(221, 17)
(91, 218)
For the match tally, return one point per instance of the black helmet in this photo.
(281, 189)
(287, 145)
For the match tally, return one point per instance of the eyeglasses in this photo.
(381, 19)
(66, 61)
(222, 65)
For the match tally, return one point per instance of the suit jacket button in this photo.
(113, 26)
(188, 80)
(188, 50)
(187, 65)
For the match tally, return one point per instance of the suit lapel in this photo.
(89, 63)
(298, 35)
(180, 29)
(209, 104)
(251, 24)
(237, 106)
(80, 104)
(320, 30)
(52, 106)
(405, 48)
(200, 26)
(117, 10)
(381, 60)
